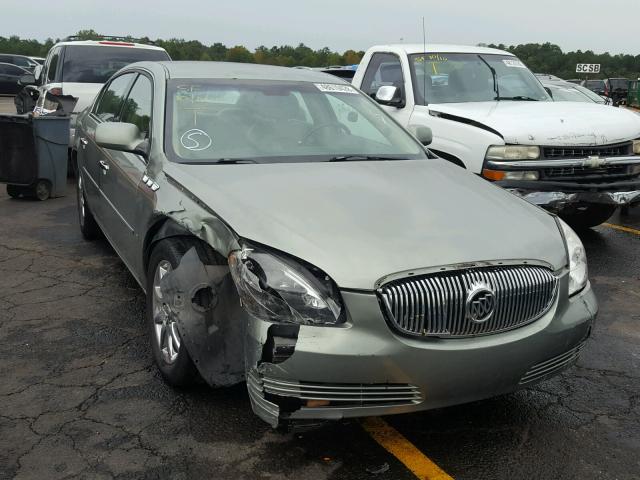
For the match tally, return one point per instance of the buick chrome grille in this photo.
(471, 302)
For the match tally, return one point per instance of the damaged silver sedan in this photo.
(290, 234)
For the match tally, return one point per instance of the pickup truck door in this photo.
(122, 185)
(388, 69)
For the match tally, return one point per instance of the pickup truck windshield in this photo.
(469, 77)
(259, 121)
(96, 63)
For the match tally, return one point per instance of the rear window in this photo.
(594, 84)
(95, 63)
(619, 83)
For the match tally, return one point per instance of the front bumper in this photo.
(364, 368)
(559, 196)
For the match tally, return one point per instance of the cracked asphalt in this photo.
(80, 398)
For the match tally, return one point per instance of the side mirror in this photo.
(549, 91)
(125, 137)
(422, 133)
(37, 72)
(390, 95)
(27, 79)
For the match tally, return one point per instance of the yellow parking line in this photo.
(622, 229)
(401, 448)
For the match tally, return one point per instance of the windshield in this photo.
(467, 77)
(592, 95)
(567, 94)
(96, 63)
(260, 121)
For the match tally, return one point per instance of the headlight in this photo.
(513, 152)
(577, 259)
(636, 147)
(276, 288)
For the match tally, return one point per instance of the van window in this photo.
(53, 65)
(96, 63)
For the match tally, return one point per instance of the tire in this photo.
(590, 216)
(175, 364)
(41, 190)
(88, 225)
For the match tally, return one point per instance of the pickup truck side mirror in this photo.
(422, 133)
(390, 96)
(27, 79)
(125, 137)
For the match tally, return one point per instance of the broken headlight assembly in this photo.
(278, 288)
(578, 274)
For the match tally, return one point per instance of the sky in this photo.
(337, 24)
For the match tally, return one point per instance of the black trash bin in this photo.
(33, 155)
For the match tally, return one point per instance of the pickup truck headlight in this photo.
(636, 147)
(577, 259)
(513, 152)
(276, 288)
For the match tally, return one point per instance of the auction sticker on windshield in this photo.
(335, 88)
(513, 63)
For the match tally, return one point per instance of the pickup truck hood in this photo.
(549, 123)
(361, 221)
(84, 92)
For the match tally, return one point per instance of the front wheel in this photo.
(589, 216)
(169, 352)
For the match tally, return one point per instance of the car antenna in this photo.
(424, 63)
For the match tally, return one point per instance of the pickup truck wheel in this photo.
(169, 352)
(591, 216)
(88, 225)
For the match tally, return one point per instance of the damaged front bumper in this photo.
(576, 191)
(311, 374)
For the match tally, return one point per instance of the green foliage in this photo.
(549, 58)
(180, 49)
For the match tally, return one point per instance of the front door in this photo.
(123, 181)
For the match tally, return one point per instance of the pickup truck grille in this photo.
(440, 304)
(587, 174)
(617, 150)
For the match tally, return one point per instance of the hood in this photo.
(361, 221)
(549, 123)
(84, 92)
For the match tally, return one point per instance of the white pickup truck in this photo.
(491, 115)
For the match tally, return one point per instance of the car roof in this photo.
(243, 71)
(108, 43)
(411, 48)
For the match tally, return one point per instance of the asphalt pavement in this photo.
(80, 398)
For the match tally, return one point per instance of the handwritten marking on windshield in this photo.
(195, 140)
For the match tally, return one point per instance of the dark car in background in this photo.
(617, 90)
(9, 78)
(19, 60)
(596, 86)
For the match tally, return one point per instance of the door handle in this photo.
(84, 142)
(104, 166)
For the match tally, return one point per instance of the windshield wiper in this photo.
(496, 88)
(362, 158)
(233, 161)
(520, 97)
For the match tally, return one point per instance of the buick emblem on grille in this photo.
(481, 302)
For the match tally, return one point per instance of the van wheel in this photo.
(169, 351)
(88, 225)
(590, 216)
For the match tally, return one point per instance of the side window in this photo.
(107, 108)
(137, 106)
(53, 66)
(21, 61)
(383, 69)
(14, 70)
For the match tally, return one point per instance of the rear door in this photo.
(92, 161)
(123, 179)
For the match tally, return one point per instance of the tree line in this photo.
(540, 58)
(180, 49)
